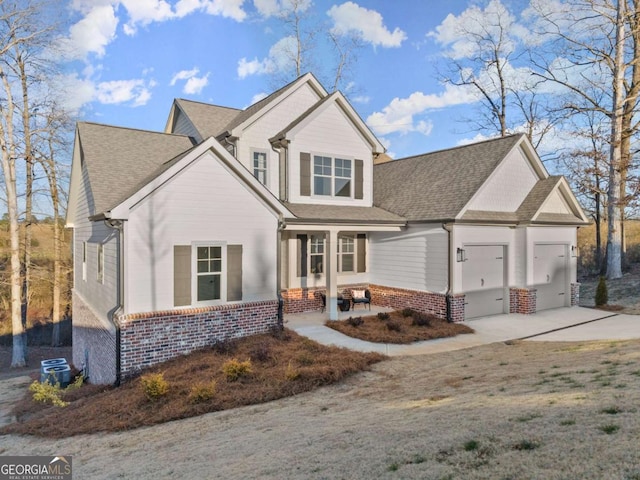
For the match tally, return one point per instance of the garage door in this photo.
(483, 280)
(550, 275)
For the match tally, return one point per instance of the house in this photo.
(230, 218)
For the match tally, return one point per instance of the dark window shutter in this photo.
(359, 180)
(181, 275)
(234, 273)
(305, 174)
(301, 256)
(362, 252)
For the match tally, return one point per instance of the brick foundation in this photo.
(151, 338)
(299, 300)
(522, 300)
(94, 343)
(425, 302)
(575, 294)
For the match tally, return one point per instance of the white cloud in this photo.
(74, 92)
(91, 34)
(226, 8)
(123, 91)
(363, 99)
(143, 12)
(280, 59)
(271, 8)
(257, 97)
(366, 24)
(398, 116)
(193, 84)
(467, 34)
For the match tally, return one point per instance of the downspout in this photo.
(114, 317)
(449, 314)
(225, 139)
(281, 226)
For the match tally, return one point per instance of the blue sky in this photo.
(128, 59)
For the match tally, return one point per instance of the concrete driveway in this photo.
(562, 324)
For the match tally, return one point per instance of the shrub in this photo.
(407, 312)
(260, 353)
(47, 393)
(421, 320)
(394, 327)
(154, 386)
(602, 296)
(471, 445)
(291, 373)
(383, 316)
(201, 392)
(305, 359)
(355, 321)
(234, 369)
(226, 346)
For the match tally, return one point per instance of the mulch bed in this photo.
(402, 327)
(281, 364)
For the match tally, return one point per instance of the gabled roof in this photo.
(437, 186)
(119, 161)
(208, 120)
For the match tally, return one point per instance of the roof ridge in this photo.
(208, 104)
(131, 129)
(457, 147)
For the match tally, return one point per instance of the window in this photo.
(260, 166)
(316, 254)
(84, 261)
(100, 266)
(346, 254)
(209, 273)
(331, 176)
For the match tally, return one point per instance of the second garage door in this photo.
(550, 275)
(483, 276)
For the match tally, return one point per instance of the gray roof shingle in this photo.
(342, 214)
(119, 161)
(436, 186)
(209, 120)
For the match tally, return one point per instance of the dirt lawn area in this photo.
(522, 411)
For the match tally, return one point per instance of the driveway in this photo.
(562, 324)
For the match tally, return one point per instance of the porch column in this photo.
(331, 262)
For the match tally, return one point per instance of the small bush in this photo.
(407, 312)
(201, 392)
(421, 320)
(394, 327)
(291, 373)
(611, 410)
(154, 386)
(305, 359)
(471, 445)
(261, 353)
(526, 445)
(384, 316)
(47, 393)
(76, 384)
(227, 346)
(602, 296)
(234, 369)
(609, 429)
(355, 321)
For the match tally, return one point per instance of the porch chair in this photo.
(360, 296)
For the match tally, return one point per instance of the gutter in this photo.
(114, 317)
(281, 226)
(447, 227)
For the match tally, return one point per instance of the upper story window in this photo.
(332, 176)
(260, 165)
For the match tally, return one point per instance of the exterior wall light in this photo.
(461, 255)
(575, 251)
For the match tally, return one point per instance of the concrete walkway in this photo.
(562, 324)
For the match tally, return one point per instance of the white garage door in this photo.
(550, 275)
(483, 280)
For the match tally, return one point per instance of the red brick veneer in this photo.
(425, 302)
(522, 300)
(299, 300)
(575, 294)
(150, 338)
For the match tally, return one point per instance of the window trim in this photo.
(266, 164)
(333, 176)
(100, 263)
(194, 273)
(353, 253)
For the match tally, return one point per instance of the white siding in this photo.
(555, 204)
(415, 259)
(102, 298)
(508, 186)
(202, 203)
(332, 134)
(257, 134)
(520, 260)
